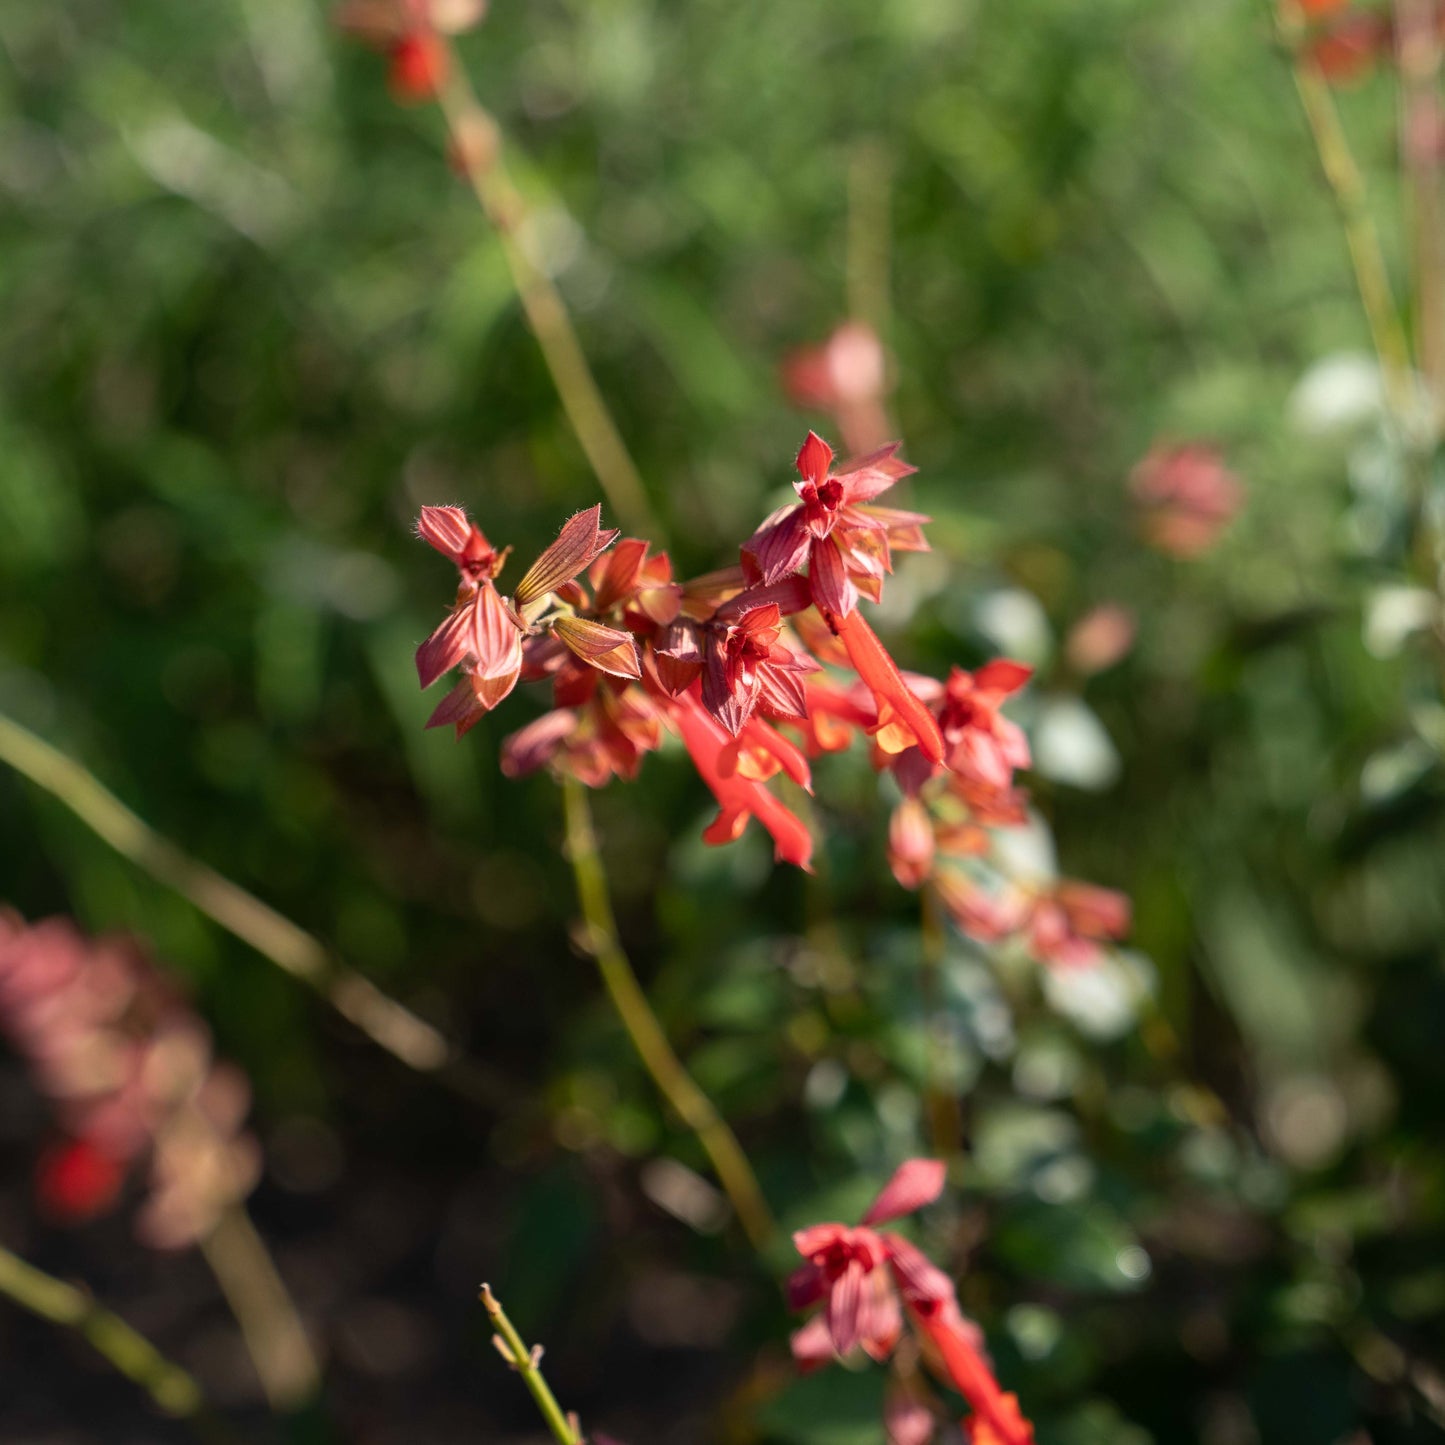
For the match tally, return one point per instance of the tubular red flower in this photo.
(995, 1411)
(911, 844)
(738, 798)
(895, 702)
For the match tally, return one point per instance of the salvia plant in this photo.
(756, 671)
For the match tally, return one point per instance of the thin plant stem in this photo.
(172, 1388)
(945, 1122)
(1361, 236)
(693, 1107)
(275, 1337)
(527, 1363)
(381, 1018)
(869, 188)
(542, 304)
(1418, 56)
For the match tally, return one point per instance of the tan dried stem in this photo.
(648, 1037)
(258, 1298)
(476, 148)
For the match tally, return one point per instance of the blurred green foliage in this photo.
(251, 322)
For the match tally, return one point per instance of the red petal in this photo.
(532, 746)
(619, 578)
(995, 1410)
(496, 634)
(915, 1183)
(75, 1181)
(812, 1346)
(606, 648)
(1002, 675)
(578, 543)
(873, 664)
(729, 699)
(459, 709)
(445, 528)
(419, 66)
(779, 547)
(920, 1281)
(845, 1306)
(815, 456)
(832, 589)
(737, 797)
(446, 647)
(867, 477)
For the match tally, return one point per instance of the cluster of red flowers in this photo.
(727, 660)
(866, 1280)
(130, 1072)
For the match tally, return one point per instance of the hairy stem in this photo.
(381, 1018)
(257, 1296)
(543, 306)
(172, 1389)
(693, 1107)
(527, 1363)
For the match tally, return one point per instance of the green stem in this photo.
(693, 1107)
(944, 1119)
(545, 310)
(526, 1363)
(173, 1390)
(385, 1021)
(1343, 176)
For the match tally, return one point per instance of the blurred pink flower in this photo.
(1101, 638)
(847, 376)
(130, 1072)
(1187, 497)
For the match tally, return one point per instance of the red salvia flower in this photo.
(1069, 923)
(984, 746)
(843, 543)
(903, 720)
(1187, 497)
(911, 843)
(867, 1279)
(842, 1260)
(738, 797)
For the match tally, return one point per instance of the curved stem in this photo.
(693, 1107)
(527, 1363)
(172, 1389)
(542, 303)
(381, 1018)
(275, 1337)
